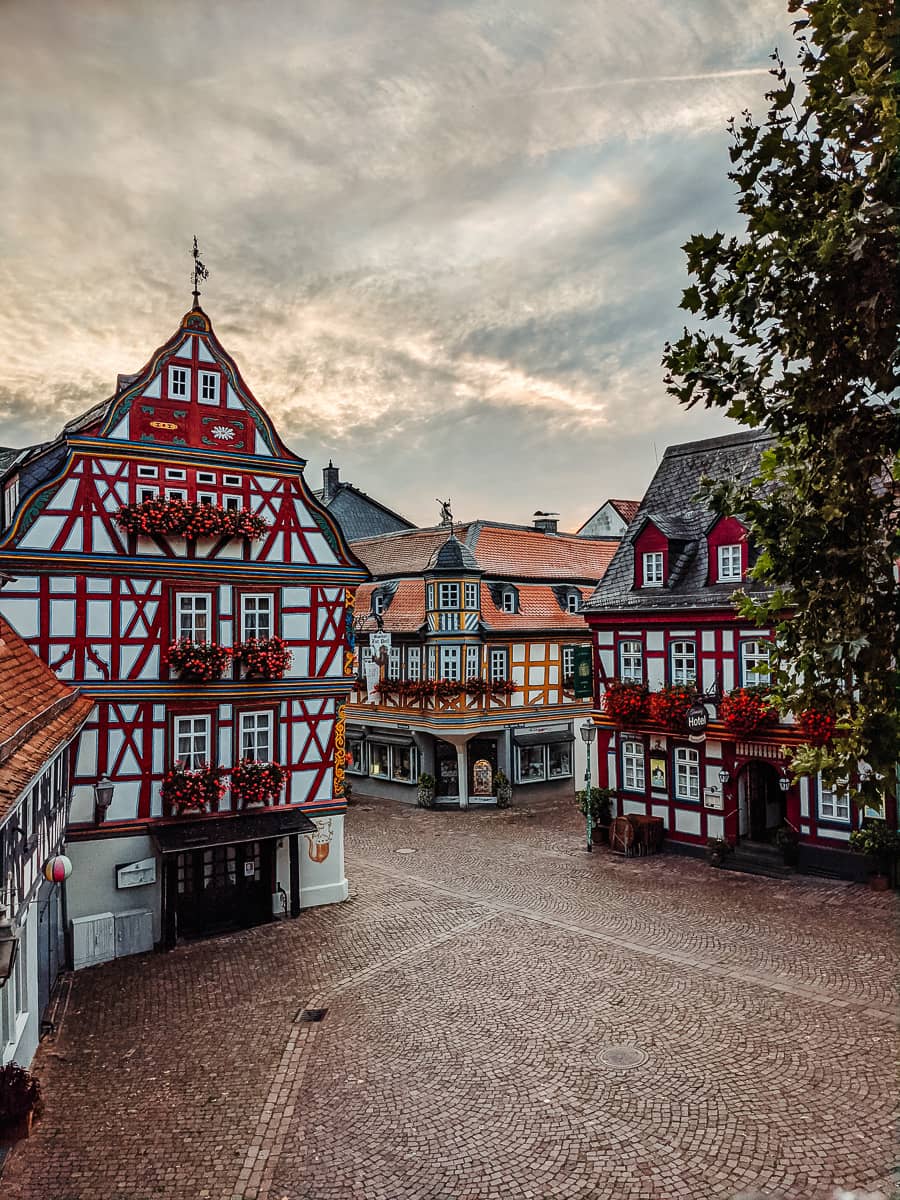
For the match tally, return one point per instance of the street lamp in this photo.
(588, 733)
(784, 782)
(103, 794)
(724, 777)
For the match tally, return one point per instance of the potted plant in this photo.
(255, 782)
(747, 709)
(20, 1102)
(200, 662)
(426, 791)
(600, 805)
(882, 844)
(787, 839)
(717, 850)
(502, 789)
(264, 658)
(196, 790)
(669, 706)
(625, 703)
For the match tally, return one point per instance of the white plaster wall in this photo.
(92, 885)
(26, 1034)
(687, 821)
(323, 882)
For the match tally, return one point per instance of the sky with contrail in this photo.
(443, 235)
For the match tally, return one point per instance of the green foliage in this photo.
(502, 789)
(877, 841)
(426, 790)
(600, 804)
(801, 337)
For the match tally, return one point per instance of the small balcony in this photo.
(441, 695)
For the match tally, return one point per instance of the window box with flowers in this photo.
(185, 791)
(502, 688)
(446, 690)
(747, 709)
(817, 726)
(198, 661)
(264, 658)
(179, 518)
(255, 782)
(669, 706)
(625, 703)
(476, 686)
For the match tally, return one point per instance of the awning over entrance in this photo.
(391, 739)
(223, 831)
(543, 739)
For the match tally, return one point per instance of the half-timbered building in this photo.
(664, 628)
(477, 681)
(170, 560)
(39, 718)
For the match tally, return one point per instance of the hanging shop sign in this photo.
(697, 721)
(583, 672)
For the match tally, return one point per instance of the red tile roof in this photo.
(38, 714)
(502, 551)
(538, 609)
(406, 613)
(627, 509)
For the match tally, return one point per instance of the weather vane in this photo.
(200, 273)
(446, 513)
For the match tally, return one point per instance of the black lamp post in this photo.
(103, 794)
(588, 733)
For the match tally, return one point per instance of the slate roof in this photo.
(7, 457)
(358, 515)
(453, 555)
(506, 552)
(670, 503)
(38, 714)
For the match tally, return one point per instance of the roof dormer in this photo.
(728, 551)
(663, 546)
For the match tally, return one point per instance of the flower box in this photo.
(199, 661)
(502, 687)
(817, 726)
(258, 782)
(196, 790)
(264, 658)
(625, 703)
(669, 706)
(179, 518)
(745, 710)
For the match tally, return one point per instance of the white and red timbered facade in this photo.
(174, 513)
(664, 626)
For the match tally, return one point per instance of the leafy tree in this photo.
(800, 335)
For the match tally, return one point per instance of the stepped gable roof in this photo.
(405, 612)
(671, 505)
(359, 515)
(506, 552)
(453, 555)
(38, 714)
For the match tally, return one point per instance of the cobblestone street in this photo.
(506, 1017)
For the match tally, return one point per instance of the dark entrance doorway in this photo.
(761, 802)
(481, 751)
(446, 769)
(224, 887)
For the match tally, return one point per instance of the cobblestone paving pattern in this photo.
(483, 993)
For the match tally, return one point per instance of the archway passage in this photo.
(761, 802)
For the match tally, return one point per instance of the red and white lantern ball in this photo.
(58, 868)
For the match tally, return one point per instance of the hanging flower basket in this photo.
(178, 518)
(817, 726)
(745, 710)
(476, 686)
(503, 687)
(201, 661)
(196, 790)
(669, 706)
(625, 703)
(258, 782)
(264, 658)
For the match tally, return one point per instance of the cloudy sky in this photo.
(443, 235)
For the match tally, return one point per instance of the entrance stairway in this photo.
(758, 858)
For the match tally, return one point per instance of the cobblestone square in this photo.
(507, 1017)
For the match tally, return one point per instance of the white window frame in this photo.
(752, 653)
(448, 622)
(573, 602)
(378, 599)
(432, 662)
(191, 612)
(473, 662)
(10, 499)
(394, 663)
(448, 595)
(372, 750)
(430, 595)
(471, 595)
(498, 663)
(634, 765)
(253, 606)
(730, 566)
(356, 748)
(653, 564)
(232, 481)
(508, 600)
(531, 750)
(568, 661)
(255, 740)
(679, 660)
(147, 493)
(833, 807)
(365, 656)
(206, 477)
(450, 661)
(205, 377)
(176, 473)
(179, 383)
(176, 494)
(687, 774)
(145, 472)
(206, 498)
(232, 503)
(631, 661)
(393, 752)
(569, 747)
(414, 663)
(194, 730)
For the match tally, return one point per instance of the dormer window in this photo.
(508, 600)
(653, 569)
(573, 602)
(448, 595)
(471, 595)
(730, 568)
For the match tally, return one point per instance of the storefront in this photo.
(543, 755)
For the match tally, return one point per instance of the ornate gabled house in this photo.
(483, 622)
(664, 629)
(169, 559)
(39, 718)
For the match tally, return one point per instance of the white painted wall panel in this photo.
(727, 640)
(22, 614)
(715, 826)
(634, 806)
(655, 640)
(43, 532)
(656, 673)
(605, 637)
(99, 618)
(608, 662)
(62, 618)
(295, 597)
(687, 821)
(727, 675)
(708, 641)
(295, 627)
(63, 584)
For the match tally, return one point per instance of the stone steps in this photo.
(758, 859)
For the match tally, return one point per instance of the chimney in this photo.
(546, 522)
(330, 482)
